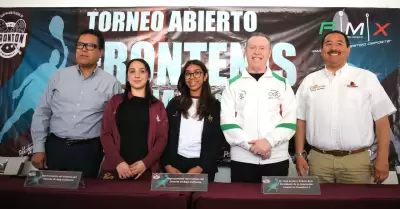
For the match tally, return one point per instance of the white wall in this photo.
(130, 3)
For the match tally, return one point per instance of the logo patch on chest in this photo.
(274, 94)
(242, 94)
(317, 87)
(352, 85)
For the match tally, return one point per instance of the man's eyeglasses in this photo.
(88, 46)
(196, 74)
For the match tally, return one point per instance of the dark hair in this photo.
(148, 95)
(337, 32)
(185, 100)
(258, 34)
(98, 34)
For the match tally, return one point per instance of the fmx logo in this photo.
(341, 23)
(12, 34)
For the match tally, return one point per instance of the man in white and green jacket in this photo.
(258, 116)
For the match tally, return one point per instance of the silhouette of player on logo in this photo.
(35, 84)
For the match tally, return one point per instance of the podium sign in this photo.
(53, 179)
(179, 182)
(290, 185)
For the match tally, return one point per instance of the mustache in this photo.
(333, 51)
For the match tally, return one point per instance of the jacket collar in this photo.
(246, 74)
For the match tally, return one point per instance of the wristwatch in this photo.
(303, 154)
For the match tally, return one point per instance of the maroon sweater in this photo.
(110, 139)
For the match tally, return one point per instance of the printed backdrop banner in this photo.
(35, 43)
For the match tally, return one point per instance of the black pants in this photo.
(184, 164)
(84, 156)
(245, 172)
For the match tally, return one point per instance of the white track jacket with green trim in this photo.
(263, 109)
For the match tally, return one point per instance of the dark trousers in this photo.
(184, 164)
(246, 172)
(84, 156)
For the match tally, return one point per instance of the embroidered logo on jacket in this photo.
(242, 94)
(108, 176)
(158, 118)
(210, 118)
(274, 94)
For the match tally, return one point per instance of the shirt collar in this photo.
(338, 72)
(80, 72)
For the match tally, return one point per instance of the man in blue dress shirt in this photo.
(66, 123)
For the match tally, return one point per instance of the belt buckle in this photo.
(70, 142)
(348, 152)
(345, 152)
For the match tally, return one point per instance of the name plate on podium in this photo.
(307, 185)
(3, 164)
(53, 179)
(179, 182)
(12, 166)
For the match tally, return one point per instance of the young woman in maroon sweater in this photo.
(134, 129)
